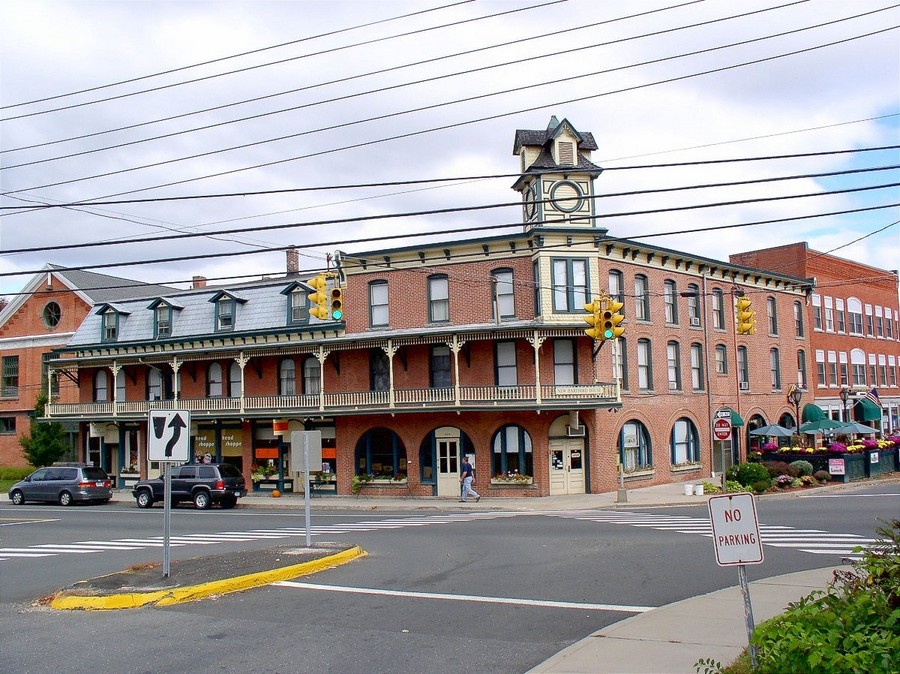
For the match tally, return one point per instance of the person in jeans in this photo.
(467, 477)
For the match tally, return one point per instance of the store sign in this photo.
(836, 467)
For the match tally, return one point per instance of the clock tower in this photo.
(557, 181)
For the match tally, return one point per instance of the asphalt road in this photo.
(483, 592)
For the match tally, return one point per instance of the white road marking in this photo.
(467, 597)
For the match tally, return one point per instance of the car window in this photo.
(93, 473)
(227, 470)
(185, 472)
(53, 474)
(208, 472)
(39, 474)
(66, 474)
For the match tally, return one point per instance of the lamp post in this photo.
(845, 395)
(794, 396)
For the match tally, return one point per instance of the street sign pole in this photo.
(168, 441)
(167, 517)
(306, 489)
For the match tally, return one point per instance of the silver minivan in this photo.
(64, 483)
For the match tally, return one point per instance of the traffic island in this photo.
(200, 577)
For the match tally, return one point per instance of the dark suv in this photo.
(64, 483)
(202, 483)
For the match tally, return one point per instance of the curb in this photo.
(75, 600)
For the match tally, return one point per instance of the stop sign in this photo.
(722, 429)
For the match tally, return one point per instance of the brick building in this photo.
(465, 346)
(40, 318)
(853, 330)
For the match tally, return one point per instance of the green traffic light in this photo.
(607, 334)
(337, 314)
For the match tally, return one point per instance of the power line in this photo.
(381, 71)
(400, 85)
(452, 125)
(287, 60)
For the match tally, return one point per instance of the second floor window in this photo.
(693, 304)
(802, 381)
(569, 284)
(235, 388)
(564, 362)
(287, 379)
(641, 298)
(773, 315)
(378, 304)
(673, 365)
(798, 319)
(379, 370)
(620, 363)
(697, 382)
(438, 299)
(101, 387)
(439, 367)
(743, 366)
(721, 359)
(775, 368)
(718, 309)
(312, 376)
(645, 365)
(9, 386)
(214, 381)
(506, 373)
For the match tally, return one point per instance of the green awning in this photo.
(812, 412)
(736, 420)
(866, 410)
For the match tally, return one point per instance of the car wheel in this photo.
(202, 500)
(229, 502)
(65, 498)
(144, 499)
(17, 497)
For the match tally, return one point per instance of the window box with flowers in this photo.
(686, 466)
(513, 478)
(359, 482)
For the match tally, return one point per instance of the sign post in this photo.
(735, 530)
(722, 433)
(169, 441)
(306, 450)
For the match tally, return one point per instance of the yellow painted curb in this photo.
(65, 600)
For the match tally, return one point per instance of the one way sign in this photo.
(170, 435)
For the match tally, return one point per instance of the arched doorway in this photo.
(440, 457)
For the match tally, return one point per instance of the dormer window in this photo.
(110, 325)
(163, 321)
(299, 306)
(225, 314)
(565, 153)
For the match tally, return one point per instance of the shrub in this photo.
(711, 488)
(784, 481)
(837, 448)
(804, 467)
(808, 480)
(851, 626)
(761, 486)
(734, 487)
(822, 476)
(776, 468)
(15, 473)
(747, 473)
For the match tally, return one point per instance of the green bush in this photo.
(734, 487)
(805, 467)
(851, 626)
(747, 473)
(822, 476)
(15, 473)
(760, 486)
(776, 468)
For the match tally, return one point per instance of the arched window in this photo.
(641, 298)
(120, 385)
(381, 453)
(670, 296)
(645, 365)
(798, 319)
(685, 443)
(504, 294)
(693, 304)
(235, 390)
(287, 383)
(772, 312)
(511, 451)
(101, 386)
(214, 381)
(312, 376)
(673, 365)
(718, 309)
(616, 285)
(775, 368)
(635, 451)
(154, 384)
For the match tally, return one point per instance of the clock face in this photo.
(530, 196)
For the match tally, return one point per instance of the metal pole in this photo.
(306, 488)
(167, 516)
(622, 495)
(748, 613)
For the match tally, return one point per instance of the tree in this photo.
(47, 442)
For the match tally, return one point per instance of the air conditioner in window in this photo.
(745, 385)
(575, 431)
(695, 321)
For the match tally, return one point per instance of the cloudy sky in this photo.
(305, 101)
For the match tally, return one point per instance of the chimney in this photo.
(199, 282)
(293, 261)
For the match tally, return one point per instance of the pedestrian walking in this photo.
(467, 477)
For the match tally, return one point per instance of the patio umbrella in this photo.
(820, 426)
(854, 427)
(773, 431)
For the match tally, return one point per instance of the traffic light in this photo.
(746, 319)
(594, 319)
(337, 303)
(612, 316)
(318, 300)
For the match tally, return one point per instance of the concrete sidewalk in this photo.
(669, 639)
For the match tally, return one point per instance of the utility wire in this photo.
(518, 42)
(287, 60)
(452, 125)
(401, 85)
(421, 181)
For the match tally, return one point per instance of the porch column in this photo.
(390, 350)
(455, 346)
(242, 361)
(321, 356)
(175, 367)
(536, 340)
(115, 367)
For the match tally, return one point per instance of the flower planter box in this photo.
(881, 462)
(855, 465)
(511, 483)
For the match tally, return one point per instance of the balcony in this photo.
(474, 398)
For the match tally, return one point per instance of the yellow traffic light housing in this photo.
(594, 319)
(318, 299)
(337, 303)
(746, 318)
(612, 316)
